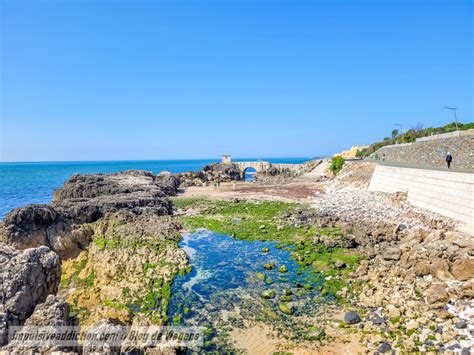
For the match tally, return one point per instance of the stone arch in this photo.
(245, 172)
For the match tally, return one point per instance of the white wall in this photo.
(448, 193)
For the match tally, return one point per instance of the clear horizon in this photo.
(149, 160)
(173, 80)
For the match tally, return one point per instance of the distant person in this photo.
(218, 183)
(449, 159)
(383, 157)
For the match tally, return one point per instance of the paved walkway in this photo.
(414, 166)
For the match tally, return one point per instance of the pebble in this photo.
(351, 318)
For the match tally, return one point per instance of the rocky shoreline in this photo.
(106, 249)
(418, 284)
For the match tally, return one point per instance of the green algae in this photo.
(296, 238)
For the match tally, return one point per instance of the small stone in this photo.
(265, 250)
(392, 253)
(453, 346)
(262, 226)
(379, 320)
(465, 351)
(384, 347)
(340, 264)
(436, 294)
(351, 318)
(283, 269)
(463, 269)
(462, 324)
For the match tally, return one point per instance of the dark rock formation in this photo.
(226, 172)
(169, 182)
(62, 225)
(210, 173)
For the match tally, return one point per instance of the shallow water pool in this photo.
(224, 289)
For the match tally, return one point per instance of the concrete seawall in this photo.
(450, 194)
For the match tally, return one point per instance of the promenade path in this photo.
(414, 166)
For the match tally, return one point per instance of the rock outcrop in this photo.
(27, 277)
(116, 233)
(53, 313)
(62, 225)
(209, 174)
(127, 269)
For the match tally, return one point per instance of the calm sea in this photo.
(24, 183)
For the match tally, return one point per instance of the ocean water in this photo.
(25, 183)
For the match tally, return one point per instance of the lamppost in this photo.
(399, 125)
(455, 116)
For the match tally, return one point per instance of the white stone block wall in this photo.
(448, 193)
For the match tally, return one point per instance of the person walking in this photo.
(449, 159)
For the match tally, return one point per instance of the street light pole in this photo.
(455, 116)
(399, 125)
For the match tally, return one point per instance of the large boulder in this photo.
(52, 314)
(26, 278)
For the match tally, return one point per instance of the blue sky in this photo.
(99, 80)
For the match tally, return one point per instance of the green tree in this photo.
(395, 133)
(336, 164)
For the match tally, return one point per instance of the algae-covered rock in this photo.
(260, 276)
(283, 269)
(287, 308)
(267, 294)
(265, 250)
(286, 298)
(315, 334)
(269, 266)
